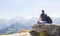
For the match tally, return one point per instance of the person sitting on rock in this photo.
(42, 18)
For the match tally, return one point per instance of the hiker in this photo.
(44, 18)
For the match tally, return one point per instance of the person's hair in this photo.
(42, 10)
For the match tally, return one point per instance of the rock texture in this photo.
(51, 29)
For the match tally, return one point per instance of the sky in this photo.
(29, 8)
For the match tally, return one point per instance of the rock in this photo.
(49, 28)
(42, 33)
(34, 33)
(57, 32)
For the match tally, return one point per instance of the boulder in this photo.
(51, 29)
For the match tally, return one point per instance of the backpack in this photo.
(49, 20)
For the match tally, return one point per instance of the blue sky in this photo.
(28, 8)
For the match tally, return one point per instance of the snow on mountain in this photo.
(24, 21)
(13, 25)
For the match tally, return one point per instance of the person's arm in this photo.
(39, 18)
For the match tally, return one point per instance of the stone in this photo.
(49, 28)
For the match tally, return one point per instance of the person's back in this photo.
(44, 18)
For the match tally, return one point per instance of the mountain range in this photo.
(9, 26)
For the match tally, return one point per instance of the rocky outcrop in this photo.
(51, 29)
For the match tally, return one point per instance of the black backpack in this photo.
(49, 20)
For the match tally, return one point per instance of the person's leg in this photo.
(42, 22)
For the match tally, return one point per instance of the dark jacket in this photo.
(44, 17)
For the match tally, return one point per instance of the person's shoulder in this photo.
(45, 14)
